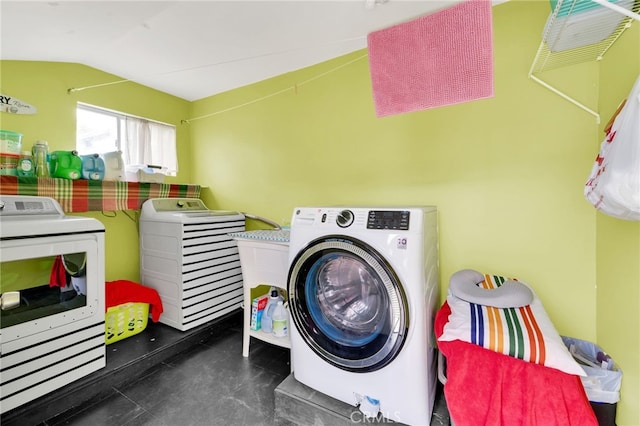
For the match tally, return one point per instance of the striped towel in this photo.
(525, 333)
(511, 331)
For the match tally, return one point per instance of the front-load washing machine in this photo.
(363, 291)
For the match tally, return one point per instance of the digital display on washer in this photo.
(29, 205)
(387, 219)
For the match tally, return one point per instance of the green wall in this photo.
(618, 245)
(45, 85)
(506, 173)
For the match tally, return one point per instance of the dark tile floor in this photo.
(208, 384)
(166, 377)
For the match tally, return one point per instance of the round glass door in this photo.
(347, 303)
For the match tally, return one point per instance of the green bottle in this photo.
(25, 165)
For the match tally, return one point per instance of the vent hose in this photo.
(263, 220)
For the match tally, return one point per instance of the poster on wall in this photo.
(15, 106)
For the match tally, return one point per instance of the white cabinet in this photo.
(264, 258)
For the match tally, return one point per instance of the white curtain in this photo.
(150, 143)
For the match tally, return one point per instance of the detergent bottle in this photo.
(25, 164)
(113, 165)
(92, 167)
(65, 165)
(280, 328)
(267, 315)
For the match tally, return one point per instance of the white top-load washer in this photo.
(363, 291)
(51, 334)
(187, 255)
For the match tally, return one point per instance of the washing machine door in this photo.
(347, 303)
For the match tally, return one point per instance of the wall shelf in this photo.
(579, 31)
(95, 195)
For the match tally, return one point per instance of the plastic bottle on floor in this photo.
(280, 327)
(267, 315)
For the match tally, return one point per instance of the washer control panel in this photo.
(18, 205)
(177, 204)
(354, 218)
(388, 219)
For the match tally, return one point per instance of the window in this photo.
(141, 141)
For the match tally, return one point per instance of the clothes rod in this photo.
(566, 97)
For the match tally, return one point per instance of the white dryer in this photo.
(363, 291)
(188, 256)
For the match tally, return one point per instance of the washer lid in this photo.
(30, 216)
(179, 210)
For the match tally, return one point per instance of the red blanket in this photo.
(122, 291)
(488, 388)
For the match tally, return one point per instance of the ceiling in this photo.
(195, 49)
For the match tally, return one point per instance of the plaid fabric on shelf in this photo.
(95, 195)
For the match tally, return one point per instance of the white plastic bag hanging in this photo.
(614, 184)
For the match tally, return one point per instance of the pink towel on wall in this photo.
(439, 59)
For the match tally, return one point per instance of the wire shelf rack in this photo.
(579, 31)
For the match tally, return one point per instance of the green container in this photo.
(9, 164)
(25, 165)
(65, 165)
(10, 142)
